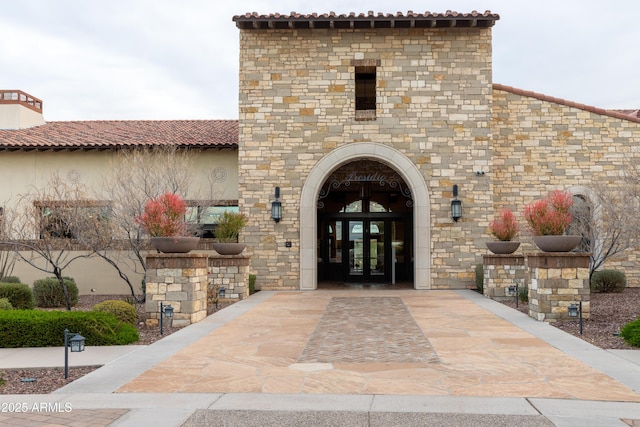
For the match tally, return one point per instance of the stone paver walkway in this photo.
(324, 342)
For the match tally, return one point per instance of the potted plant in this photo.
(504, 228)
(227, 231)
(163, 219)
(548, 220)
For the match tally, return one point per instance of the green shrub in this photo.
(38, 328)
(608, 281)
(480, 278)
(18, 294)
(123, 311)
(631, 333)
(10, 279)
(48, 293)
(5, 304)
(523, 293)
(252, 284)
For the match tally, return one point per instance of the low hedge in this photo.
(631, 333)
(123, 311)
(49, 294)
(608, 281)
(18, 294)
(5, 304)
(37, 328)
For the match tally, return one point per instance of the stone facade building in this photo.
(435, 118)
(366, 127)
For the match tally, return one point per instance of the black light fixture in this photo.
(276, 207)
(456, 205)
(76, 342)
(166, 311)
(575, 310)
(222, 292)
(513, 292)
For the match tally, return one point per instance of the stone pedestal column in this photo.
(179, 280)
(232, 274)
(500, 272)
(557, 280)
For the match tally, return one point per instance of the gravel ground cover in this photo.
(609, 312)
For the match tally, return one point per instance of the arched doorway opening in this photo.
(420, 234)
(365, 218)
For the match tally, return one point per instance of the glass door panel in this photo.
(376, 248)
(356, 248)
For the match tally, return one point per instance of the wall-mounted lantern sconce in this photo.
(276, 207)
(456, 205)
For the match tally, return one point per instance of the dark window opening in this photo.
(365, 88)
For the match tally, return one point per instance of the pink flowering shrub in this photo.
(163, 216)
(505, 227)
(550, 216)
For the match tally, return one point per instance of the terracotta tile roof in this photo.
(611, 113)
(254, 21)
(633, 113)
(89, 135)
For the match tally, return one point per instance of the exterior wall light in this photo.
(276, 207)
(456, 205)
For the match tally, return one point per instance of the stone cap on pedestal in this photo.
(499, 259)
(559, 260)
(177, 260)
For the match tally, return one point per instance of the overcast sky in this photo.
(168, 59)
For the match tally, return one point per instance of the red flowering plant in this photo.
(505, 227)
(550, 216)
(163, 216)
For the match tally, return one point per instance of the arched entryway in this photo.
(410, 175)
(365, 218)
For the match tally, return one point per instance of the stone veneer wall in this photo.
(297, 104)
(500, 272)
(180, 280)
(556, 281)
(542, 145)
(232, 273)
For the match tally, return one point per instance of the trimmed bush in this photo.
(252, 284)
(608, 281)
(49, 294)
(5, 304)
(18, 294)
(10, 279)
(38, 328)
(123, 311)
(480, 278)
(631, 333)
(523, 293)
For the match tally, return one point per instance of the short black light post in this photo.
(513, 291)
(76, 342)
(574, 311)
(167, 312)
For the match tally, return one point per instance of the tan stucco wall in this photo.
(21, 170)
(541, 146)
(297, 106)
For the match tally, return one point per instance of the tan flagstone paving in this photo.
(476, 354)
